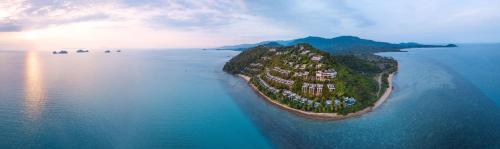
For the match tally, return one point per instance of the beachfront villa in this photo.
(267, 86)
(349, 101)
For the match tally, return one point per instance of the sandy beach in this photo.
(325, 116)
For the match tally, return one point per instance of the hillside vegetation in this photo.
(309, 79)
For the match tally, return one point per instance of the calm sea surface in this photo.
(443, 98)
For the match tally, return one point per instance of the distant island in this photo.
(82, 51)
(339, 45)
(320, 78)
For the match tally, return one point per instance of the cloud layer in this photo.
(210, 23)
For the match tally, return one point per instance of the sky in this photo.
(146, 24)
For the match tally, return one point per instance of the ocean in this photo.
(442, 98)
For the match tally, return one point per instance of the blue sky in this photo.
(48, 24)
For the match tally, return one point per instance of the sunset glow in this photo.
(49, 25)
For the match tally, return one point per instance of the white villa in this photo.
(316, 58)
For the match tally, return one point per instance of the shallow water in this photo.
(443, 98)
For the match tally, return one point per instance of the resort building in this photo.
(315, 89)
(267, 86)
(323, 75)
(281, 71)
(293, 96)
(317, 58)
(301, 74)
(331, 87)
(303, 66)
(349, 101)
(336, 102)
(328, 102)
(304, 52)
(279, 80)
(256, 64)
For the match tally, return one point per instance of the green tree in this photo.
(326, 91)
(297, 86)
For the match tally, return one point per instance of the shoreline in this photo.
(325, 116)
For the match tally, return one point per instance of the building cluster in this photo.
(278, 79)
(256, 65)
(316, 89)
(267, 86)
(295, 97)
(327, 74)
(301, 74)
(316, 58)
(265, 58)
(281, 71)
(314, 71)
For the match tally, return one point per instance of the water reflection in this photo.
(34, 93)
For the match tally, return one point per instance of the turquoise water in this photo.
(443, 98)
(133, 99)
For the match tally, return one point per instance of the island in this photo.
(60, 52)
(321, 78)
(82, 51)
(313, 83)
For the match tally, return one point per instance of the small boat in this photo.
(107, 51)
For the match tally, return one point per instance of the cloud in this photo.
(203, 14)
(9, 28)
(236, 21)
(34, 14)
